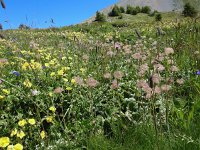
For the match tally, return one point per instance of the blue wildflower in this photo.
(15, 73)
(198, 72)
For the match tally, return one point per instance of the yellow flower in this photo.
(82, 70)
(22, 123)
(15, 147)
(4, 141)
(68, 88)
(27, 83)
(64, 58)
(73, 81)
(42, 134)
(31, 121)
(18, 147)
(66, 80)
(2, 97)
(52, 108)
(46, 64)
(49, 119)
(60, 72)
(52, 74)
(20, 134)
(5, 91)
(14, 132)
(25, 66)
(50, 94)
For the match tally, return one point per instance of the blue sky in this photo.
(38, 13)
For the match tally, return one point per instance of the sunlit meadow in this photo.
(98, 86)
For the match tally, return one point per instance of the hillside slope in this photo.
(160, 5)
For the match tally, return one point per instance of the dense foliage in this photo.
(189, 11)
(100, 17)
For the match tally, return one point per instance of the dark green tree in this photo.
(100, 17)
(134, 11)
(122, 10)
(138, 9)
(189, 11)
(158, 17)
(146, 10)
(115, 11)
(129, 9)
(24, 27)
(1, 27)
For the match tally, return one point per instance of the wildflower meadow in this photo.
(100, 86)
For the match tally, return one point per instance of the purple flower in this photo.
(198, 72)
(15, 73)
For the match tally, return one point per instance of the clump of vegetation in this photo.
(1, 27)
(129, 9)
(24, 27)
(100, 17)
(122, 9)
(158, 17)
(146, 10)
(116, 11)
(135, 10)
(189, 11)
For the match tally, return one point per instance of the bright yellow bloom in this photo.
(2, 97)
(5, 91)
(82, 70)
(22, 123)
(20, 134)
(60, 72)
(18, 147)
(25, 66)
(46, 64)
(64, 58)
(52, 108)
(27, 83)
(14, 132)
(52, 74)
(73, 81)
(15, 147)
(31, 121)
(49, 119)
(42, 134)
(4, 141)
(66, 80)
(50, 94)
(68, 88)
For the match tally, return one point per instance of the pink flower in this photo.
(118, 74)
(58, 90)
(114, 84)
(159, 67)
(157, 90)
(137, 56)
(169, 51)
(117, 46)
(180, 81)
(156, 78)
(174, 69)
(165, 88)
(79, 80)
(91, 82)
(107, 76)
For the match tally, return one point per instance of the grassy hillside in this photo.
(101, 87)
